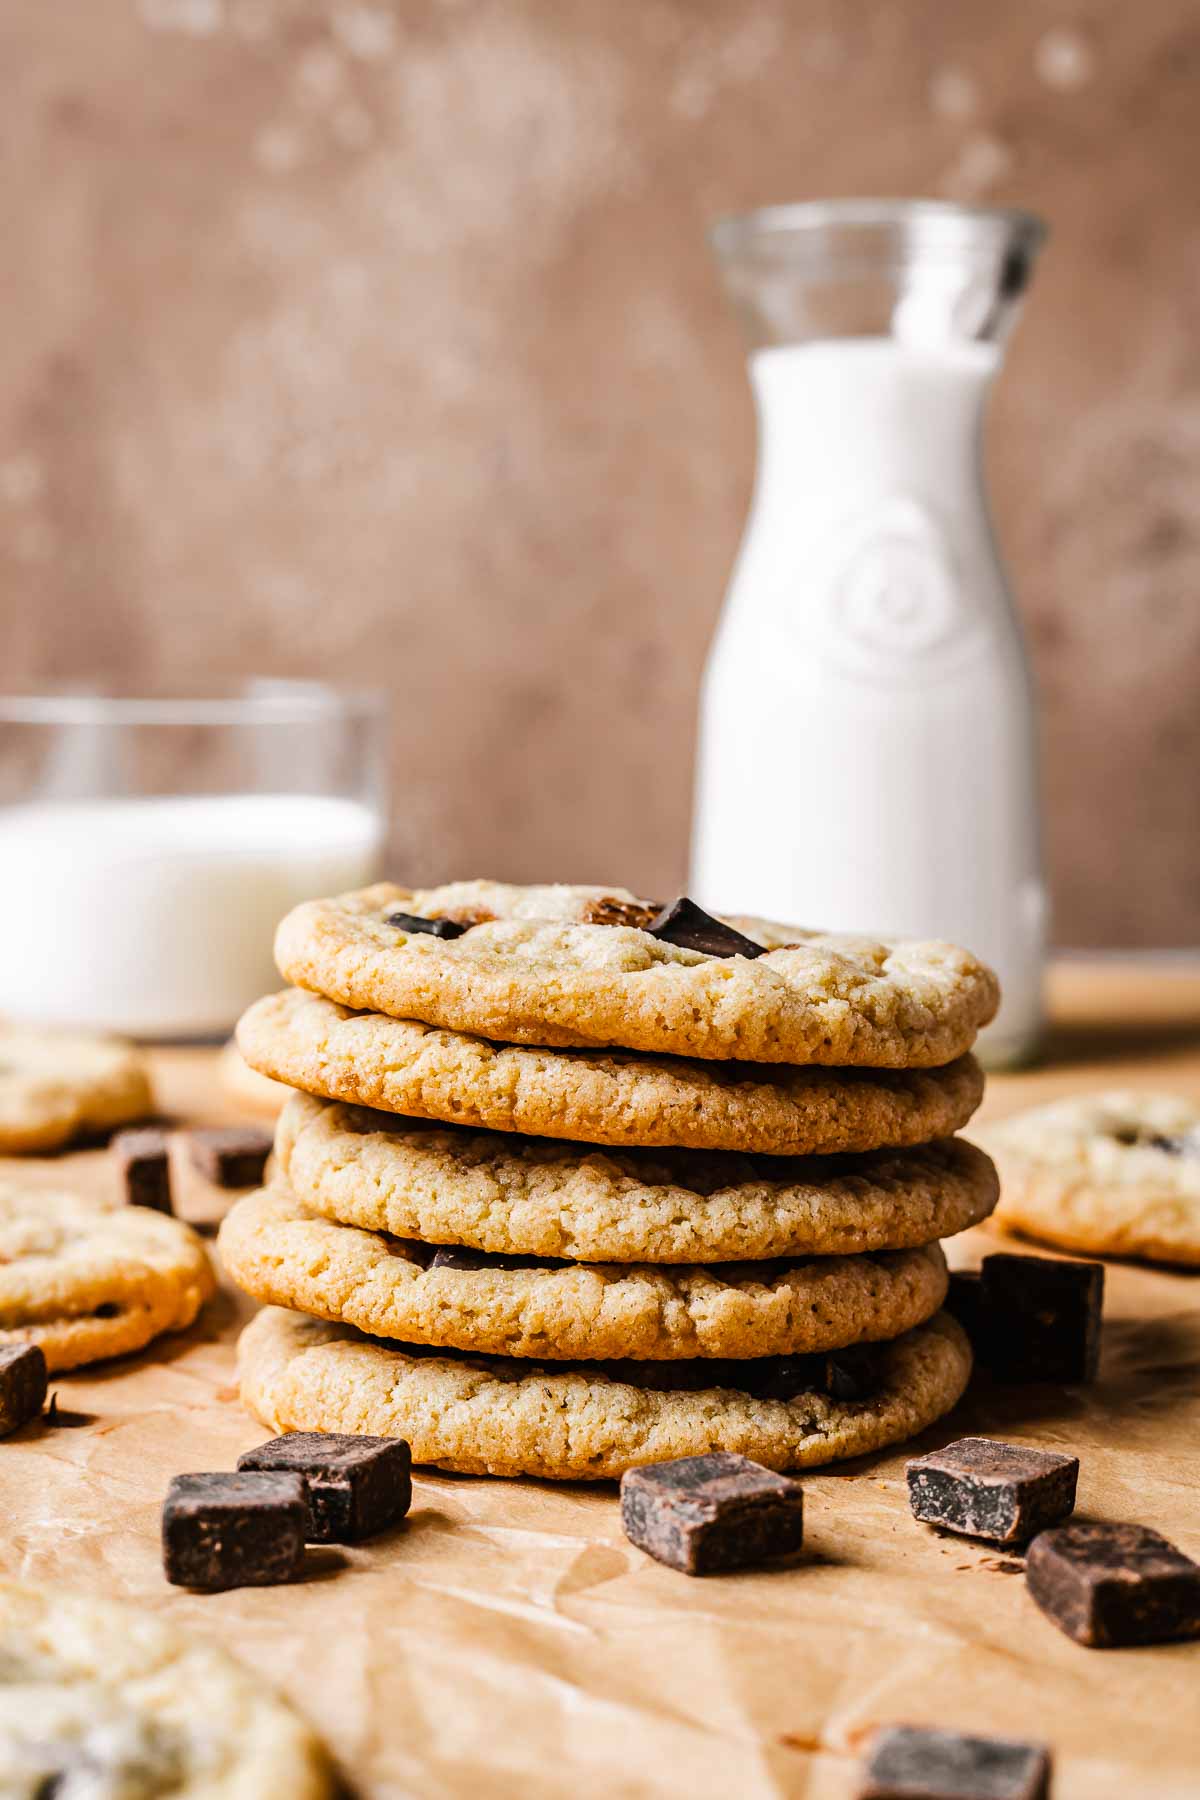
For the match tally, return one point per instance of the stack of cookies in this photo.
(572, 1183)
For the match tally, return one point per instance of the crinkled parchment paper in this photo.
(507, 1640)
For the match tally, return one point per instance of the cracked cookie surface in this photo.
(577, 1423)
(598, 1096)
(543, 1197)
(1111, 1174)
(280, 1252)
(88, 1282)
(565, 966)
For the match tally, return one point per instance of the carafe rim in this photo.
(814, 232)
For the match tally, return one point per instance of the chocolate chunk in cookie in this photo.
(22, 1385)
(438, 928)
(849, 1374)
(705, 1514)
(461, 1256)
(852, 1373)
(1041, 1318)
(226, 1531)
(916, 1762)
(1107, 1584)
(689, 927)
(231, 1156)
(355, 1486)
(986, 1489)
(1185, 1144)
(143, 1160)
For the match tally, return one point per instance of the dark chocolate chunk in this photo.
(231, 1156)
(986, 1489)
(964, 1302)
(22, 1385)
(843, 1374)
(460, 1256)
(226, 1531)
(689, 927)
(1041, 1318)
(916, 1762)
(355, 1486)
(852, 1373)
(438, 928)
(1108, 1585)
(145, 1166)
(1186, 1144)
(782, 1377)
(705, 1514)
(849, 1374)
(682, 1375)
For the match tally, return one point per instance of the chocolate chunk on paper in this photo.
(234, 1530)
(22, 1385)
(231, 1156)
(144, 1163)
(689, 927)
(983, 1488)
(1041, 1318)
(354, 1486)
(706, 1514)
(438, 928)
(917, 1762)
(1110, 1584)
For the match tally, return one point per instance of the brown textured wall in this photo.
(381, 340)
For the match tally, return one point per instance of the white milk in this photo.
(155, 916)
(867, 758)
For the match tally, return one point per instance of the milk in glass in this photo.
(155, 915)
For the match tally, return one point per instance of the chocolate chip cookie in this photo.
(587, 1422)
(593, 966)
(1111, 1174)
(504, 1193)
(599, 1096)
(281, 1252)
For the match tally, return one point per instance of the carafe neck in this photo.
(871, 415)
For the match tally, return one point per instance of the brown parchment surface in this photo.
(507, 1640)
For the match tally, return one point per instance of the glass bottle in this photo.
(867, 757)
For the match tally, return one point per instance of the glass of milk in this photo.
(150, 845)
(867, 755)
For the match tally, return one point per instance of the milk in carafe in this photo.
(867, 737)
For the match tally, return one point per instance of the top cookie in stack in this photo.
(773, 1094)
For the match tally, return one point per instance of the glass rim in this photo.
(903, 226)
(254, 701)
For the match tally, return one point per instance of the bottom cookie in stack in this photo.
(783, 1307)
(488, 1415)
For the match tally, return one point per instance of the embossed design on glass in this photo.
(867, 749)
(896, 605)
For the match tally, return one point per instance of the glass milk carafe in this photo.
(867, 756)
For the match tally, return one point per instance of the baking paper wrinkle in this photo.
(508, 1640)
